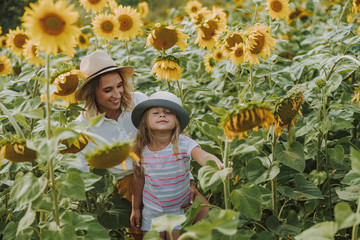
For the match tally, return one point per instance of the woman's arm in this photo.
(137, 187)
(202, 157)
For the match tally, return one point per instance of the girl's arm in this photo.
(202, 157)
(137, 187)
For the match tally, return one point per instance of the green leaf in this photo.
(341, 124)
(211, 176)
(21, 119)
(10, 231)
(167, 222)
(27, 188)
(213, 132)
(152, 235)
(193, 211)
(26, 220)
(247, 199)
(304, 187)
(95, 120)
(317, 177)
(344, 216)
(320, 231)
(89, 178)
(351, 193)
(336, 156)
(257, 173)
(218, 111)
(355, 159)
(293, 157)
(34, 113)
(73, 186)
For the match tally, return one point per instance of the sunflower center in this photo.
(239, 52)
(69, 86)
(94, 2)
(194, 9)
(126, 22)
(212, 62)
(276, 6)
(20, 39)
(165, 38)
(82, 39)
(259, 44)
(209, 31)
(3, 43)
(107, 27)
(52, 24)
(2, 66)
(219, 55)
(232, 40)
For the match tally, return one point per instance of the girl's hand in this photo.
(135, 219)
(193, 194)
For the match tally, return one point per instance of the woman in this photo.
(107, 89)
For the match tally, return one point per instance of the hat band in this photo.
(96, 73)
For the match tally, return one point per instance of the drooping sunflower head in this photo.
(31, 53)
(76, 145)
(200, 16)
(209, 63)
(106, 25)
(230, 40)
(278, 8)
(5, 65)
(51, 25)
(192, 7)
(167, 67)
(165, 37)
(130, 22)
(245, 118)
(356, 6)
(287, 109)
(110, 156)
(66, 81)
(259, 43)
(93, 5)
(143, 8)
(16, 40)
(17, 152)
(3, 40)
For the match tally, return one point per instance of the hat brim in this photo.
(126, 72)
(140, 109)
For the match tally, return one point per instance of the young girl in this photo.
(161, 181)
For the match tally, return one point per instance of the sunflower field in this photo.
(272, 88)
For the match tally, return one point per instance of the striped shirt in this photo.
(167, 181)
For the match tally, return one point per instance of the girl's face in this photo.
(161, 119)
(109, 93)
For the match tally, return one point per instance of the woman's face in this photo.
(109, 93)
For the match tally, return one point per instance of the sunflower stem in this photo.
(180, 91)
(53, 188)
(251, 80)
(226, 181)
(48, 108)
(12, 120)
(273, 181)
(127, 51)
(342, 13)
(95, 36)
(255, 14)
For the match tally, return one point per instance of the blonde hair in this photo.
(90, 96)
(145, 136)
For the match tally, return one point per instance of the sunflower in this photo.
(17, 152)
(110, 156)
(3, 40)
(200, 16)
(218, 55)
(231, 39)
(209, 63)
(167, 68)
(130, 22)
(178, 19)
(259, 43)
(356, 6)
(237, 55)
(93, 5)
(77, 145)
(278, 8)
(143, 8)
(245, 118)
(0, 30)
(70, 51)
(356, 96)
(164, 37)
(31, 53)
(16, 40)
(112, 4)
(51, 24)
(207, 33)
(192, 7)
(239, 3)
(5, 65)
(219, 15)
(83, 41)
(298, 13)
(106, 26)
(287, 109)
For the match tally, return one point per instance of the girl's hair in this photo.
(145, 136)
(90, 97)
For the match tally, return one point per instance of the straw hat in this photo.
(165, 100)
(97, 63)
